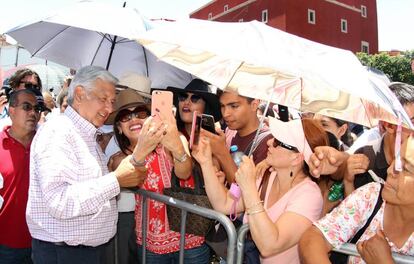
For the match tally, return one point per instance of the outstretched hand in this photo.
(325, 160)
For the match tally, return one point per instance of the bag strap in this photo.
(198, 180)
(374, 212)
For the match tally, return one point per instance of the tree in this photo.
(397, 68)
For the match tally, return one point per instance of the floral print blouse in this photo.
(344, 221)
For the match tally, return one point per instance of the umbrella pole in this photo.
(112, 47)
(261, 124)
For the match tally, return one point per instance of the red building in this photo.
(346, 24)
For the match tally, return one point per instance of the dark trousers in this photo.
(49, 253)
(10, 255)
(126, 239)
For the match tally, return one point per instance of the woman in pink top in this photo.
(281, 204)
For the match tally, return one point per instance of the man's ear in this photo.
(255, 104)
(79, 94)
(390, 128)
(342, 130)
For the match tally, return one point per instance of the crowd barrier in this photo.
(347, 248)
(187, 207)
(236, 241)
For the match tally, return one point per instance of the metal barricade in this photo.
(347, 248)
(186, 207)
(350, 249)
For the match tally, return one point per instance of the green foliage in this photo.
(397, 68)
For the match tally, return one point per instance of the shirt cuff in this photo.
(110, 186)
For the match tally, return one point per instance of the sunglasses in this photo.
(28, 107)
(194, 98)
(277, 143)
(126, 115)
(29, 85)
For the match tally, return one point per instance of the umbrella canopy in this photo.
(52, 76)
(266, 63)
(92, 33)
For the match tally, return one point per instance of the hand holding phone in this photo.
(195, 129)
(207, 123)
(161, 104)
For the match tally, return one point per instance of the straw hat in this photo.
(129, 97)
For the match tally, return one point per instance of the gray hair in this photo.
(86, 77)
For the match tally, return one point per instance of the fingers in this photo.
(380, 233)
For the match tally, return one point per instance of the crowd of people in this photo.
(66, 166)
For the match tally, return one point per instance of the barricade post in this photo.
(185, 208)
(347, 248)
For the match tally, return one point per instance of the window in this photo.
(241, 20)
(365, 47)
(210, 16)
(311, 16)
(264, 16)
(363, 11)
(344, 26)
(226, 7)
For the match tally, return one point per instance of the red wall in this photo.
(292, 16)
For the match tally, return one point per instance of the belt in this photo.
(63, 244)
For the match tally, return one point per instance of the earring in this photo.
(291, 173)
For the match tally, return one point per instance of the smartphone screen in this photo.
(195, 129)
(207, 123)
(161, 103)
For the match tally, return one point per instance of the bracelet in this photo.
(136, 163)
(182, 158)
(254, 205)
(256, 212)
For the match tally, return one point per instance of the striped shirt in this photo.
(71, 193)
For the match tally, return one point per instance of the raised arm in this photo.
(217, 193)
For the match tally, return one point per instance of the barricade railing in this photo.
(186, 207)
(347, 248)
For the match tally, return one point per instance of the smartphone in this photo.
(195, 129)
(161, 103)
(283, 113)
(207, 123)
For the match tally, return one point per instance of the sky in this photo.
(394, 16)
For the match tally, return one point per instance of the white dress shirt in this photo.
(71, 193)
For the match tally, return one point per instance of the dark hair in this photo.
(220, 93)
(403, 91)
(20, 74)
(14, 96)
(269, 112)
(121, 139)
(179, 121)
(346, 138)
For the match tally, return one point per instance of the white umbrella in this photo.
(92, 33)
(266, 63)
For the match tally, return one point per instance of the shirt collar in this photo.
(81, 123)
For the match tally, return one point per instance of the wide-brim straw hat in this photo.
(129, 96)
(202, 88)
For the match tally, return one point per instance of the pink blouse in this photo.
(304, 199)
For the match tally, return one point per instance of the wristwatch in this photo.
(136, 163)
(182, 158)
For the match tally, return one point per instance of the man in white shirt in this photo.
(71, 211)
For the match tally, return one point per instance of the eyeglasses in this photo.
(28, 107)
(126, 115)
(29, 85)
(277, 143)
(194, 98)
